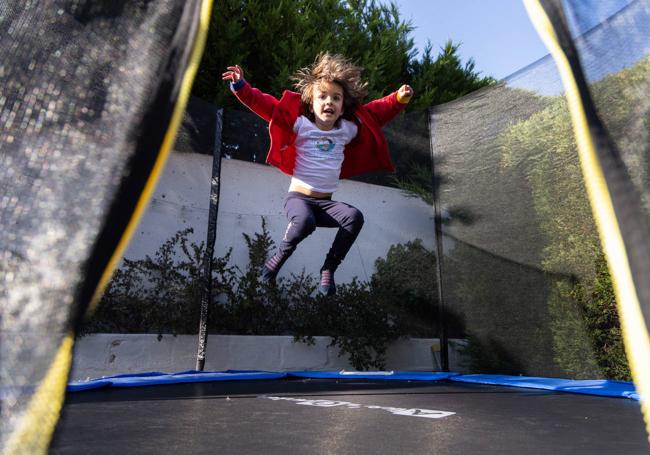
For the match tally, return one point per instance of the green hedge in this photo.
(161, 294)
(586, 334)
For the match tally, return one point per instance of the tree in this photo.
(272, 39)
(445, 78)
(586, 331)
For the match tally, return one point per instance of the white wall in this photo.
(106, 354)
(249, 191)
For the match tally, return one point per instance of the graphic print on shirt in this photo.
(325, 144)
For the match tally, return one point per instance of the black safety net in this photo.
(217, 192)
(480, 254)
(88, 92)
(523, 267)
(524, 285)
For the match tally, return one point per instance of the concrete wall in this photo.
(250, 191)
(110, 354)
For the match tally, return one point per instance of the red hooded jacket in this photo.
(367, 152)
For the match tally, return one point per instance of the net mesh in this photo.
(78, 78)
(524, 282)
(162, 272)
(524, 271)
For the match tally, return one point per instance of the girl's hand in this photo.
(234, 74)
(405, 93)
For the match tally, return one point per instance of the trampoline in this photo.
(512, 245)
(345, 416)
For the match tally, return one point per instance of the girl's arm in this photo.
(256, 100)
(385, 109)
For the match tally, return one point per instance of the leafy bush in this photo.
(587, 333)
(358, 323)
(404, 281)
(162, 294)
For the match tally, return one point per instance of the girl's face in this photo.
(327, 104)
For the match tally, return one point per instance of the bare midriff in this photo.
(308, 192)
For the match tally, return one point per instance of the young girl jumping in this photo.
(319, 136)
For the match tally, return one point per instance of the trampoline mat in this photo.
(345, 416)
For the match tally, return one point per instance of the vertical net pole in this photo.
(437, 215)
(206, 294)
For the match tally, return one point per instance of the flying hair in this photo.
(331, 68)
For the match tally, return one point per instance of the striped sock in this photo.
(271, 269)
(327, 285)
(325, 278)
(273, 264)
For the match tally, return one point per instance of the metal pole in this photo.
(206, 295)
(437, 215)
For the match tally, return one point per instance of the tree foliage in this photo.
(162, 293)
(444, 78)
(587, 336)
(272, 39)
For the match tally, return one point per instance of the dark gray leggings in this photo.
(306, 213)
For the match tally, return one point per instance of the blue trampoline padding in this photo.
(599, 387)
(157, 378)
(589, 387)
(144, 379)
(387, 375)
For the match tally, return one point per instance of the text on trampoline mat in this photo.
(413, 412)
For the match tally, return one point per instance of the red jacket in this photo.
(367, 152)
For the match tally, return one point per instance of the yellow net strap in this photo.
(34, 431)
(635, 332)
